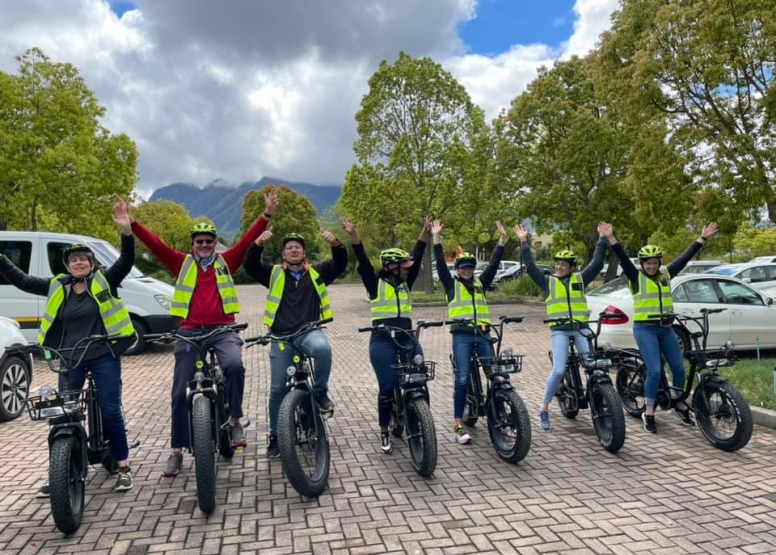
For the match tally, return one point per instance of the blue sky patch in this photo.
(120, 7)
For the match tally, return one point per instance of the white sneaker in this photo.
(461, 436)
(385, 443)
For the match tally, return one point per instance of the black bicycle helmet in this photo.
(77, 247)
(294, 237)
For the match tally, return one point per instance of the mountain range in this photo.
(223, 203)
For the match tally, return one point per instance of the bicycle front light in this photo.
(199, 377)
(45, 391)
(608, 346)
(291, 370)
(729, 345)
(507, 353)
(163, 300)
(418, 360)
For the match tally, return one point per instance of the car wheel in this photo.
(14, 388)
(684, 341)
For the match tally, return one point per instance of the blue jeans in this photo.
(383, 354)
(228, 348)
(652, 340)
(313, 344)
(464, 344)
(560, 353)
(106, 371)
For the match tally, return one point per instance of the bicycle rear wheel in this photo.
(303, 444)
(471, 410)
(630, 382)
(567, 396)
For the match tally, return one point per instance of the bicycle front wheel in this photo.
(421, 435)
(303, 444)
(608, 418)
(66, 483)
(204, 454)
(509, 425)
(724, 416)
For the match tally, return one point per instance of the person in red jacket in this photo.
(212, 303)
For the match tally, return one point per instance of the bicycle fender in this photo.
(414, 393)
(699, 398)
(66, 430)
(501, 382)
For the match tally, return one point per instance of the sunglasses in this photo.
(203, 241)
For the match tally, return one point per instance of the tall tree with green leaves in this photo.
(57, 162)
(296, 214)
(417, 128)
(707, 68)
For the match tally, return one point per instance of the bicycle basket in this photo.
(598, 360)
(712, 359)
(57, 404)
(496, 366)
(412, 373)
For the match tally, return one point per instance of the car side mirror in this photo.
(768, 301)
(747, 280)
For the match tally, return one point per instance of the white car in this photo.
(756, 274)
(748, 320)
(15, 372)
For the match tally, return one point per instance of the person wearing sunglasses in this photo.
(205, 297)
(296, 295)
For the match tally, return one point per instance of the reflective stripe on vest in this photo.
(277, 283)
(187, 282)
(652, 298)
(114, 315)
(563, 302)
(465, 307)
(388, 305)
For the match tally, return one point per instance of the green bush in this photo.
(523, 286)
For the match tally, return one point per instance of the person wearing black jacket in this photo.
(466, 305)
(391, 304)
(73, 313)
(296, 296)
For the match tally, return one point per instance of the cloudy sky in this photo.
(239, 89)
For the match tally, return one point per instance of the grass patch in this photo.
(755, 380)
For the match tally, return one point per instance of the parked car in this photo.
(701, 266)
(619, 267)
(756, 274)
(514, 272)
(15, 372)
(769, 258)
(749, 316)
(435, 275)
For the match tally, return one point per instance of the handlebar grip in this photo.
(511, 319)
(449, 322)
(238, 327)
(325, 321)
(370, 328)
(430, 324)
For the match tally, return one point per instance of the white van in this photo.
(39, 254)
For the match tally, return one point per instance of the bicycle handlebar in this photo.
(196, 338)
(287, 338)
(83, 345)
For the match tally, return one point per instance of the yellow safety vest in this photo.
(115, 316)
(187, 282)
(652, 298)
(465, 307)
(563, 302)
(277, 282)
(387, 304)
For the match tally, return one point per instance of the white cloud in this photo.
(237, 90)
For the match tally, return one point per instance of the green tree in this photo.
(751, 241)
(170, 221)
(296, 214)
(707, 69)
(57, 163)
(418, 132)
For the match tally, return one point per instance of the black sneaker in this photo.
(649, 423)
(124, 479)
(685, 416)
(385, 443)
(272, 448)
(324, 403)
(44, 490)
(174, 464)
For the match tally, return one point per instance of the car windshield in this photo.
(108, 254)
(617, 288)
(724, 270)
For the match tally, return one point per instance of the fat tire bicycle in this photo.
(208, 404)
(509, 425)
(303, 437)
(721, 412)
(411, 407)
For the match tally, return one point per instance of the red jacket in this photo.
(206, 309)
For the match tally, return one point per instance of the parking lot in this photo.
(673, 492)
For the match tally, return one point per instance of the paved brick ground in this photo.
(672, 492)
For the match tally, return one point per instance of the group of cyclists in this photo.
(84, 301)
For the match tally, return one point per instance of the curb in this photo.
(764, 417)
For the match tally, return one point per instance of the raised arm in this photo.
(121, 268)
(678, 265)
(235, 255)
(443, 272)
(486, 278)
(591, 271)
(531, 268)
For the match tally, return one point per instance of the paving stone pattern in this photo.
(671, 493)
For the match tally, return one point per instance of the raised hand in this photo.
(271, 203)
(121, 215)
(350, 229)
(436, 228)
(605, 229)
(521, 231)
(427, 220)
(709, 230)
(501, 229)
(262, 239)
(328, 236)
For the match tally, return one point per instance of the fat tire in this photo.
(630, 383)
(225, 447)
(309, 486)
(424, 456)
(569, 409)
(67, 490)
(202, 448)
(740, 409)
(615, 438)
(521, 423)
(471, 410)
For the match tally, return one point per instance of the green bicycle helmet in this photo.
(566, 256)
(465, 260)
(394, 256)
(650, 251)
(77, 247)
(203, 228)
(294, 237)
